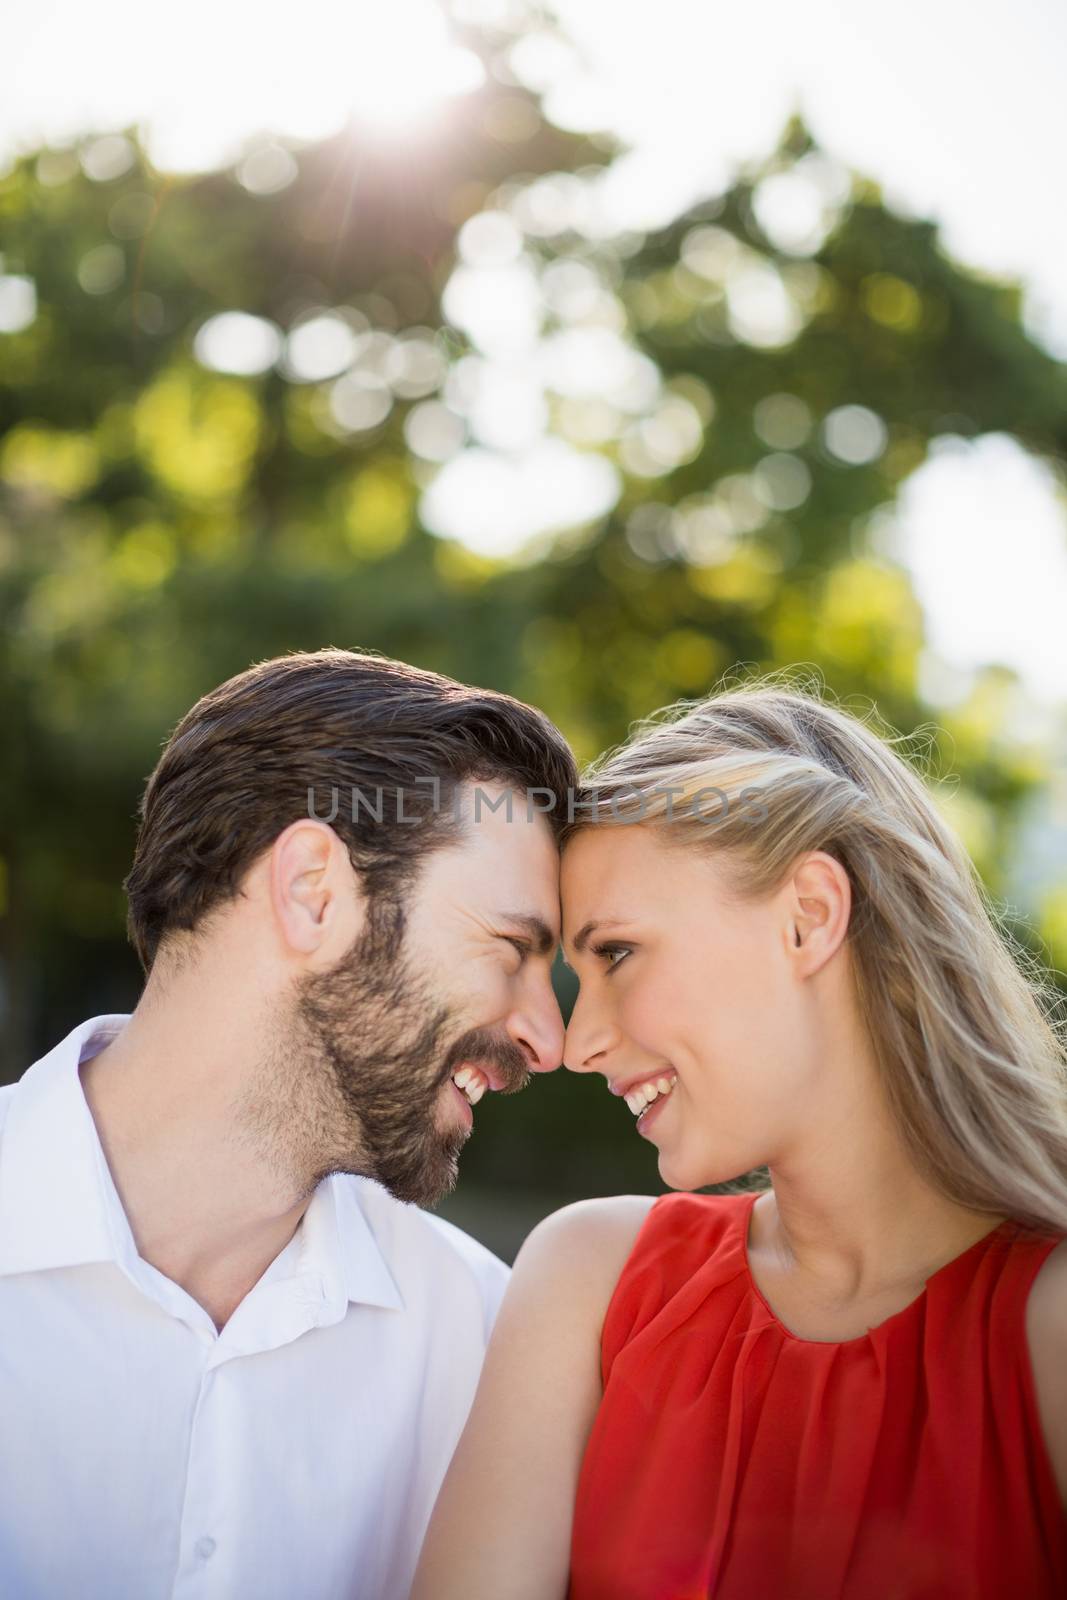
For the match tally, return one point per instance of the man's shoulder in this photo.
(431, 1235)
(7, 1094)
(417, 1244)
(476, 1256)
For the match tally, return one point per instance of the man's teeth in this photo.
(645, 1093)
(471, 1081)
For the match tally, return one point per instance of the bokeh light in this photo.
(238, 343)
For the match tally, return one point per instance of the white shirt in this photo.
(295, 1455)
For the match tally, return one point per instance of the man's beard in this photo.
(378, 1046)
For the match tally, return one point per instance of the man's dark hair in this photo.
(247, 759)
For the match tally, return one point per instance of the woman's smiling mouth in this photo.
(645, 1095)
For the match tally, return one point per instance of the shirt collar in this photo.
(58, 1201)
(53, 1209)
(367, 1278)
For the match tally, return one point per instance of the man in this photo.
(236, 1358)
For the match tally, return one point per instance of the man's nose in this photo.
(538, 1031)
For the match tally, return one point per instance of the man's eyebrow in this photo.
(541, 936)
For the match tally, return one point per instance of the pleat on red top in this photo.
(730, 1458)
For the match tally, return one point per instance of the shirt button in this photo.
(205, 1547)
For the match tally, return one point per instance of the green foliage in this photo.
(162, 525)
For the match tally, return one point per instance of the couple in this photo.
(239, 1360)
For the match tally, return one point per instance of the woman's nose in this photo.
(586, 1042)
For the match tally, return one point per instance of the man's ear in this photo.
(315, 894)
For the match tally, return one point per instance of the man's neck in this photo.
(210, 1203)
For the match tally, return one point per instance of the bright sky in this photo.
(957, 109)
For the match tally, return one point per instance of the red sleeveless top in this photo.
(731, 1459)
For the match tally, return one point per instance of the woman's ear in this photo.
(819, 906)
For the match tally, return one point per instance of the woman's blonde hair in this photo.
(966, 1026)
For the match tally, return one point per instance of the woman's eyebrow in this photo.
(585, 932)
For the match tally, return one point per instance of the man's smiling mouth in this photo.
(472, 1082)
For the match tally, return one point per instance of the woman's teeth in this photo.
(471, 1081)
(640, 1098)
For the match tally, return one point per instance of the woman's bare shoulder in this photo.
(593, 1236)
(578, 1252)
(1046, 1327)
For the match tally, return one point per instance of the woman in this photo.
(851, 1382)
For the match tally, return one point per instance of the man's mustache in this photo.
(493, 1048)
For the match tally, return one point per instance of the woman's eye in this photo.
(614, 954)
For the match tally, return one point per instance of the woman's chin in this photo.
(679, 1172)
